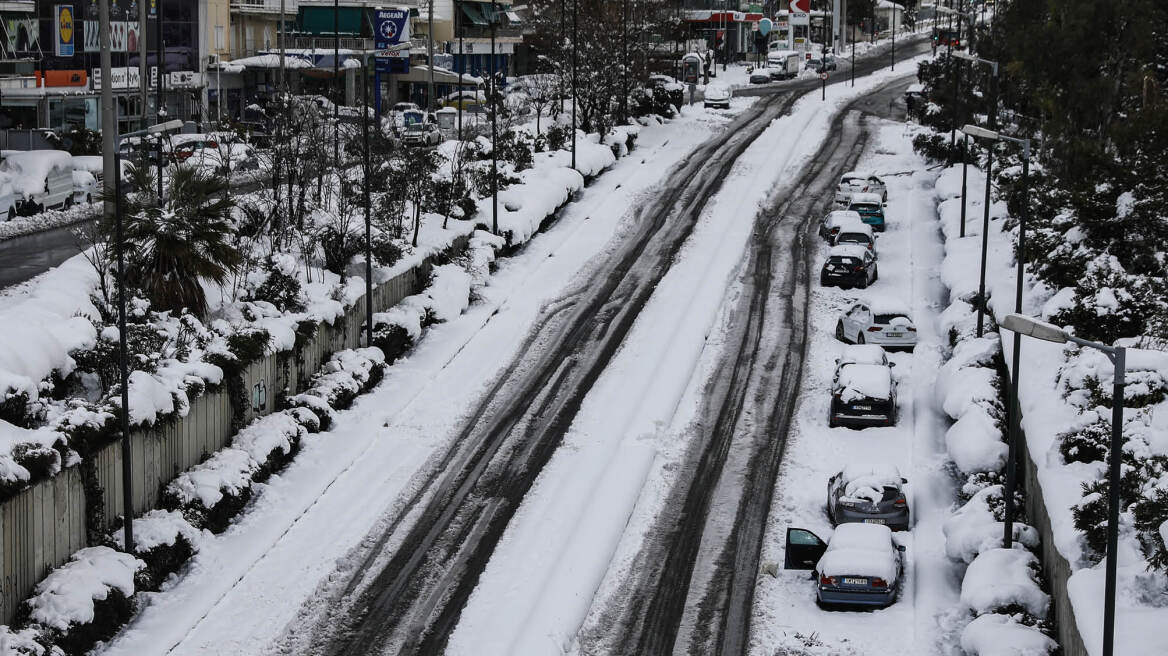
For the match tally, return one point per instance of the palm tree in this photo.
(173, 246)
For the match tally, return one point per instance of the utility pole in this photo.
(336, 81)
(624, 104)
(494, 133)
(575, 99)
(160, 109)
(283, 73)
(892, 26)
(142, 68)
(365, 190)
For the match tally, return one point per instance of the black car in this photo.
(863, 395)
(849, 265)
(868, 494)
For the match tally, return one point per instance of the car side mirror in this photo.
(904, 481)
(892, 364)
(900, 548)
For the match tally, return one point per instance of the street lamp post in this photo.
(494, 131)
(575, 98)
(365, 189)
(1022, 325)
(892, 26)
(965, 153)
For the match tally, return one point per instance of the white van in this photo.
(42, 179)
(784, 64)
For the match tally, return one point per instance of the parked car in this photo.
(849, 266)
(717, 95)
(182, 146)
(862, 395)
(868, 494)
(423, 133)
(820, 63)
(861, 565)
(870, 208)
(42, 179)
(855, 182)
(84, 187)
(915, 98)
(856, 232)
(95, 166)
(834, 219)
(863, 354)
(784, 64)
(465, 98)
(760, 76)
(883, 321)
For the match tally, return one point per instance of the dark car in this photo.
(760, 76)
(849, 265)
(861, 565)
(862, 395)
(868, 494)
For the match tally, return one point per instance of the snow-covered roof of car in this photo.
(856, 226)
(864, 197)
(30, 168)
(867, 381)
(91, 163)
(915, 87)
(862, 175)
(180, 139)
(863, 354)
(848, 250)
(867, 482)
(838, 216)
(860, 550)
(887, 305)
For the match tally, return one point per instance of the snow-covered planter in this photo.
(994, 634)
(212, 492)
(272, 441)
(1005, 580)
(84, 600)
(978, 527)
(163, 540)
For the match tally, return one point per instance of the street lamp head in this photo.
(166, 127)
(978, 131)
(1024, 325)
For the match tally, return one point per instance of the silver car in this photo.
(857, 182)
(868, 494)
(883, 321)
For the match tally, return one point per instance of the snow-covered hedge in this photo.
(1004, 579)
(968, 389)
(396, 330)
(163, 540)
(346, 374)
(1004, 635)
(978, 527)
(84, 600)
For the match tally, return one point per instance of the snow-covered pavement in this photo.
(786, 615)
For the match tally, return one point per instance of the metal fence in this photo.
(42, 526)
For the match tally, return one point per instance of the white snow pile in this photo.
(339, 381)
(23, 643)
(158, 528)
(1002, 635)
(619, 137)
(973, 529)
(445, 299)
(11, 471)
(966, 391)
(1000, 578)
(65, 597)
(278, 431)
(864, 381)
(228, 472)
(860, 550)
(867, 482)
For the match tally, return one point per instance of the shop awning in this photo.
(472, 13)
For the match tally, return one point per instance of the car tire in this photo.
(839, 332)
(875, 273)
(860, 338)
(11, 213)
(863, 282)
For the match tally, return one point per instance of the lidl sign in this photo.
(65, 31)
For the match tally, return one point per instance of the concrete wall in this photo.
(42, 526)
(1055, 568)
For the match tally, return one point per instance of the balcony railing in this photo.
(266, 6)
(479, 32)
(327, 42)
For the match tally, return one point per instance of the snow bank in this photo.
(278, 431)
(149, 399)
(22, 643)
(449, 291)
(65, 597)
(1002, 635)
(999, 578)
(973, 529)
(975, 443)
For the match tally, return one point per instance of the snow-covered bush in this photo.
(978, 526)
(271, 441)
(995, 634)
(340, 380)
(26, 642)
(1004, 580)
(211, 493)
(84, 600)
(163, 540)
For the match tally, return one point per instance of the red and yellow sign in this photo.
(65, 31)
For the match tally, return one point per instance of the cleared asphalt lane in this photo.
(23, 258)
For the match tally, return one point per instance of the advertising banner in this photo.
(391, 26)
(65, 34)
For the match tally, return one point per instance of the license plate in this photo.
(848, 580)
(861, 407)
(873, 521)
(896, 334)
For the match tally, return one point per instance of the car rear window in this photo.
(887, 318)
(841, 259)
(865, 207)
(853, 237)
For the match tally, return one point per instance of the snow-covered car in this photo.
(400, 107)
(760, 76)
(860, 566)
(834, 219)
(717, 96)
(863, 354)
(183, 146)
(863, 395)
(868, 494)
(466, 98)
(820, 64)
(84, 187)
(784, 64)
(858, 182)
(870, 209)
(8, 198)
(856, 232)
(885, 321)
(421, 134)
(42, 179)
(849, 265)
(227, 158)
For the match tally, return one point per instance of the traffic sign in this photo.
(391, 26)
(823, 75)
